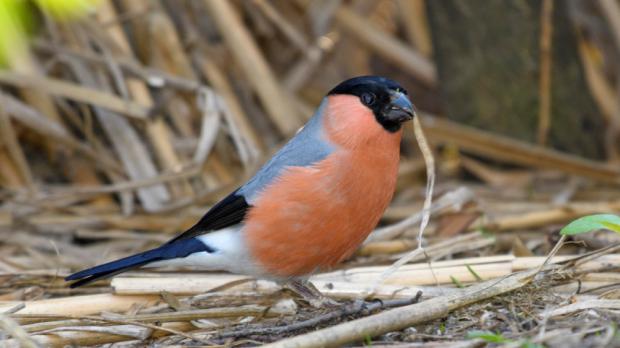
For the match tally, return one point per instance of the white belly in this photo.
(230, 254)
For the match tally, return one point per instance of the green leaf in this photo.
(592, 223)
(471, 270)
(488, 336)
(456, 282)
(68, 9)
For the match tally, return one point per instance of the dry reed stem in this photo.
(514, 151)
(389, 47)
(256, 69)
(76, 92)
(546, 35)
(400, 318)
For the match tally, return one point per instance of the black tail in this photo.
(180, 248)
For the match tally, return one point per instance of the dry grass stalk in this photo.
(10, 327)
(387, 46)
(145, 64)
(336, 286)
(544, 112)
(583, 305)
(513, 151)
(399, 318)
(257, 71)
(157, 130)
(75, 92)
(83, 305)
(453, 199)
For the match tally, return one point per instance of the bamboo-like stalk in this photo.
(386, 45)
(514, 151)
(358, 281)
(399, 318)
(82, 305)
(257, 71)
(158, 132)
(546, 32)
(75, 92)
(414, 19)
(9, 138)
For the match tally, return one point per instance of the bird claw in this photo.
(310, 294)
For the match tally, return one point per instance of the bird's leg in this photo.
(308, 292)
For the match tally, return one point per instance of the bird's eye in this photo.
(368, 98)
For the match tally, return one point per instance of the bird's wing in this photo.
(227, 212)
(304, 149)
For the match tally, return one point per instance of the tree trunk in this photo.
(488, 59)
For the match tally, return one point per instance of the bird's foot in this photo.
(310, 294)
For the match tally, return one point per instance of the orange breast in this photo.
(312, 218)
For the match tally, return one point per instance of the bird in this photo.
(307, 208)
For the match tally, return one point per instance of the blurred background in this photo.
(121, 121)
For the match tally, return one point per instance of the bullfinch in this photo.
(310, 206)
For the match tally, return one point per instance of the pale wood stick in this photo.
(544, 217)
(85, 338)
(522, 263)
(386, 45)
(400, 318)
(347, 290)
(582, 305)
(192, 284)
(84, 305)
(252, 62)
(76, 92)
(514, 151)
(196, 284)
(591, 287)
(412, 274)
(602, 277)
(425, 275)
(17, 332)
(194, 314)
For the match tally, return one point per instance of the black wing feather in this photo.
(227, 212)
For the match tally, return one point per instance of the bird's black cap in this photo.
(386, 98)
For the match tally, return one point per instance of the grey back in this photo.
(308, 146)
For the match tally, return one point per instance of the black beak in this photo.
(399, 109)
